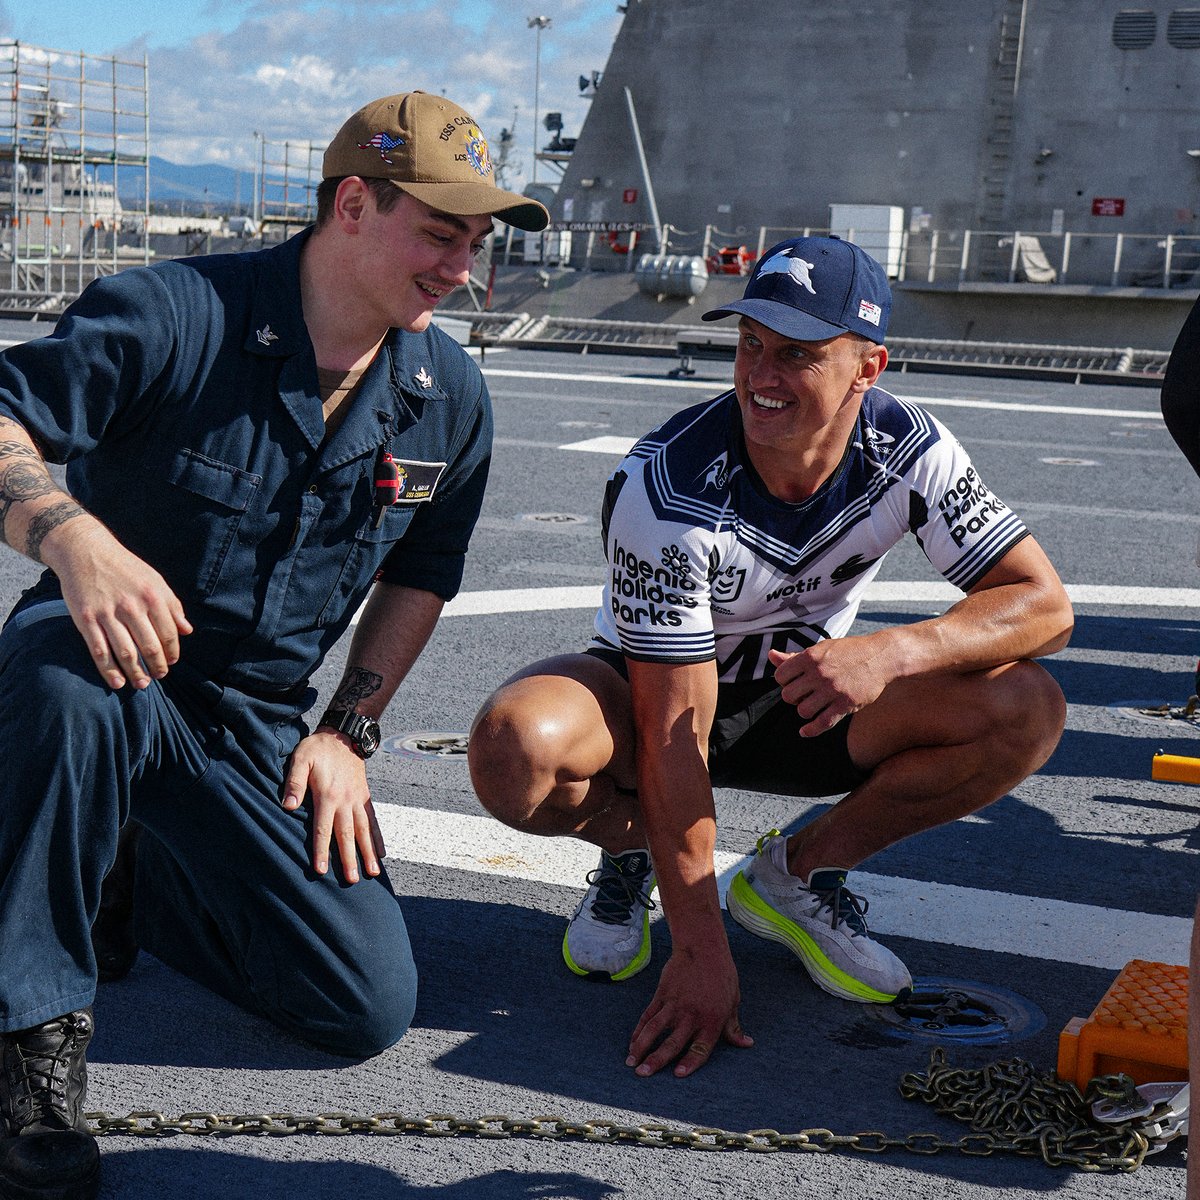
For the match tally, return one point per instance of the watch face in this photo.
(369, 738)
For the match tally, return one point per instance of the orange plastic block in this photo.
(1139, 1027)
(1175, 768)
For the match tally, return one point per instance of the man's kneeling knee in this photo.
(381, 1016)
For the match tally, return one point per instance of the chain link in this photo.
(1010, 1107)
(1021, 1110)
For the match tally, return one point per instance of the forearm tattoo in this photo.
(358, 685)
(24, 481)
(47, 520)
(23, 476)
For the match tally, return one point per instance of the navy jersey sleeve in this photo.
(656, 603)
(966, 528)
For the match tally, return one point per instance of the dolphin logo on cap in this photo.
(784, 264)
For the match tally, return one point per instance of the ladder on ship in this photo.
(1003, 83)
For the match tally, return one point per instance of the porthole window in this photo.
(1183, 29)
(1134, 28)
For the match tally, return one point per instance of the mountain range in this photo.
(195, 186)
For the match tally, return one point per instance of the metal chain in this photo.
(1010, 1106)
(1029, 1112)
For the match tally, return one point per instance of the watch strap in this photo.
(352, 724)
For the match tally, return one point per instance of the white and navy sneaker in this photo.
(820, 920)
(609, 935)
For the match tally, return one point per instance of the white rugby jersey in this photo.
(704, 563)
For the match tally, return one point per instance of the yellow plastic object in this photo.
(1139, 1027)
(1175, 768)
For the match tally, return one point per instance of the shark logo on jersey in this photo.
(877, 440)
(784, 264)
(716, 474)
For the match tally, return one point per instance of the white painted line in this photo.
(1080, 593)
(1150, 597)
(714, 387)
(1005, 406)
(606, 444)
(477, 604)
(995, 922)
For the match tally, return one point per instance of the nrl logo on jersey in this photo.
(727, 584)
(716, 474)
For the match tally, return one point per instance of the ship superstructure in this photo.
(1070, 124)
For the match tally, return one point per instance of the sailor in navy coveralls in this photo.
(251, 440)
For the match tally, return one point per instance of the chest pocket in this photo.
(364, 557)
(206, 506)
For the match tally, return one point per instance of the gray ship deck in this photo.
(1043, 896)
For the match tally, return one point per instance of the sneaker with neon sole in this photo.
(609, 935)
(820, 920)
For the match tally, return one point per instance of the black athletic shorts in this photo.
(755, 742)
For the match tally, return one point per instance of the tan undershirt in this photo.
(338, 389)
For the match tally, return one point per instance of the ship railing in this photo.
(1053, 258)
(949, 258)
(687, 343)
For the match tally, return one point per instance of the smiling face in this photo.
(406, 259)
(799, 402)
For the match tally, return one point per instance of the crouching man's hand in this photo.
(694, 1008)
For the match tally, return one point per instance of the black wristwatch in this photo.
(363, 732)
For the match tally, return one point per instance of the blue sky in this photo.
(222, 69)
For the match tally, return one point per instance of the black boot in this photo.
(112, 930)
(47, 1151)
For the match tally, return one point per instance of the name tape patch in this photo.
(418, 480)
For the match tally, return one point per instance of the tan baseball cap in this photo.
(433, 150)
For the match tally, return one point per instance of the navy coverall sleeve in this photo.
(432, 553)
(103, 363)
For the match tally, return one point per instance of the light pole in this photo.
(538, 23)
(256, 202)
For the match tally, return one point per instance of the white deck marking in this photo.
(478, 604)
(606, 444)
(995, 922)
(715, 386)
(510, 600)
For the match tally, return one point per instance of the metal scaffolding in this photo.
(286, 181)
(74, 134)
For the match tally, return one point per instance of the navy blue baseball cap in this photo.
(813, 288)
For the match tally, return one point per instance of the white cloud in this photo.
(295, 69)
(308, 72)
